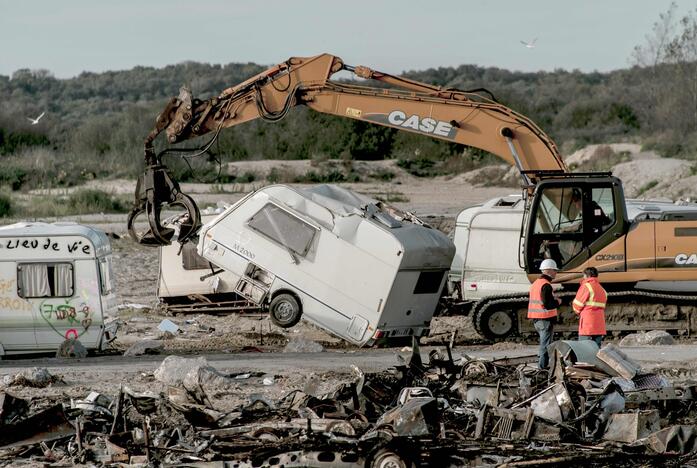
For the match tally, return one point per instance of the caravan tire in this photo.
(285, 310)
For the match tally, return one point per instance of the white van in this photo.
(338, 259)
(56, 283)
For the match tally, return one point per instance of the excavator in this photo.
(577, 219)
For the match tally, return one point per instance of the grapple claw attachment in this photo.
(156, 195)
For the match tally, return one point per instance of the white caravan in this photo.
(335, 258)
(487, 239)
(56, 283)
(181, 270)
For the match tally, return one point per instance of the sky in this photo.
(68, 37)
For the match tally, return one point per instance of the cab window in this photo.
(557, 211)
(601, 211)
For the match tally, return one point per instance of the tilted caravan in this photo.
(333, 257)
(56, 282)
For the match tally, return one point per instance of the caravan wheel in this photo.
(284, 310)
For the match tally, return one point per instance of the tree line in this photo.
(95, 123)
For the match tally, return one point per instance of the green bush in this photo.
(95, 201)
(332, 176)
(383, 174)
(246, 178)
(5, 205)
(12, 176)
(648, 186)
(418, 167)
(11, 142)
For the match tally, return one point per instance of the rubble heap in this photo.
(593, 406)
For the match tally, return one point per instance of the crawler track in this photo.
(497, 318)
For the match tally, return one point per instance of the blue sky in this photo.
(71, 36)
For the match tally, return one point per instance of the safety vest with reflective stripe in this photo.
(536, 307)
(590, 305)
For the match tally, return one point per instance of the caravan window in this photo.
(45, 280)
(191, 260)
(106, 276)
(279, 225)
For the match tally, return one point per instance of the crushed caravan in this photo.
(338, 259)
(56, 283)
(183, 273)
(188, 283)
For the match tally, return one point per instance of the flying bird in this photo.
(36, 120)
(529, 45)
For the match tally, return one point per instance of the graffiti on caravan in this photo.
(78, 317)
(46, 243)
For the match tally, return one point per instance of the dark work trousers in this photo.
(597, 338)
(545, 328)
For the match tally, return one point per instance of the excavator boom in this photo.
(468, 118)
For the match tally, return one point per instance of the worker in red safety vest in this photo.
(589, 304)
(542, 308)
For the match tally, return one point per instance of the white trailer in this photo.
(56, 283)
(333, 257)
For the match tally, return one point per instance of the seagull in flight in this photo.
(36, 120)
(529, 45)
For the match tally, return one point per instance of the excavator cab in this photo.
(571, 218)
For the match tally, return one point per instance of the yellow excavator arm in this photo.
(468, 118)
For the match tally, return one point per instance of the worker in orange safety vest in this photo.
(542, 308)
(589, 304)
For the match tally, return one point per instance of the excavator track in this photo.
(498, 318)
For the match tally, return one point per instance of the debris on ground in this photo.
(302, 345)
(652, 338)
(71, 348)
(167, 326)
(144, 347)
(593, 407)
(37, 377)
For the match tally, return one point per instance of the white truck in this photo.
(487, 272)
(335, 258)
(56, 283)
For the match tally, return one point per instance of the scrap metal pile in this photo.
(594, 407)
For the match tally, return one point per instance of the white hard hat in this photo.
(548, 264)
